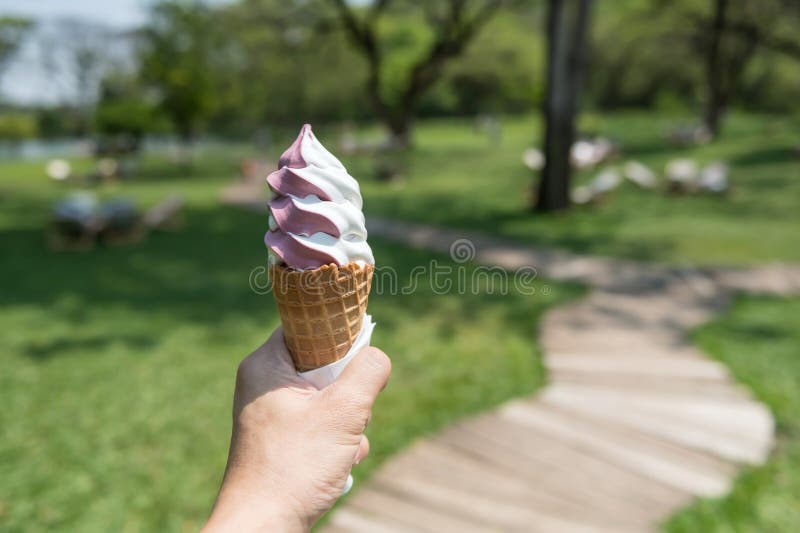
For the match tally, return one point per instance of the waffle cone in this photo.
(321, 310)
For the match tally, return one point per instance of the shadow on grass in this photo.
(199, 168)
(202, 275)
(584, 230)
(649, 148)
(71, 346)
(766, 156)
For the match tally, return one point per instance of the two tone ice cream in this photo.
(315, 212)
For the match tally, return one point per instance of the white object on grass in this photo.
(582, 154)
(58, 169)
(682, 171)
(640, 174)
(581, 195)
(589, 153)
(606, 181)
(533, 158)
(714, 177)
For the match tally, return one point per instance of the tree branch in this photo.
(752, 32)
(777, 43)
(349, 21)
(455, 34)
(363, 35)
(378, 7)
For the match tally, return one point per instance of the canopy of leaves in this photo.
(12, 32)
(17, 126)
(234, 68)
(180, 61)
(652, 52)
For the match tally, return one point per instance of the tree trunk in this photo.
(400, 129)
(716, 97)
(567, 23)
(396, 121)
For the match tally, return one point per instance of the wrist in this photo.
(240, 509)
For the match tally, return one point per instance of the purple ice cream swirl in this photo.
(315, 211)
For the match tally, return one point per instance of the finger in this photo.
(272, 363)
(275, 348)
(363, 449)
(362, 379)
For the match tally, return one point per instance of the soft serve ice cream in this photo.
(315, 212)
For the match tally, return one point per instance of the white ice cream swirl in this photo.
(315, 213)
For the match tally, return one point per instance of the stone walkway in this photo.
(634, 423)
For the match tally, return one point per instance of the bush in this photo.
(17, 126)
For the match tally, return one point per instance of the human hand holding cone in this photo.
(320, 263)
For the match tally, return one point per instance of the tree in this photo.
(735, 33)
(177, 61)
(567, 24)
(454, 26)
(728, 36)
(75, 55)
(297, 48)
(12, 33)
(17, 126)
(122, 110)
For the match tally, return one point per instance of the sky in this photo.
(118, 13)
(25, 80)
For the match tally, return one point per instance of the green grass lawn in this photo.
(759, 341)
(118, 364)
(485, 186)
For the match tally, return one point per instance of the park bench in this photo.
(79, 222)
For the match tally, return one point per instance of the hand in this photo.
(292, 446)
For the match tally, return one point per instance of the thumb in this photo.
(361, 380)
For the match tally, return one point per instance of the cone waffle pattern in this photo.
(321, 310)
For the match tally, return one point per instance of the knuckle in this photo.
(378, 361)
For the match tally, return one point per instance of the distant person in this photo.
(292, 446)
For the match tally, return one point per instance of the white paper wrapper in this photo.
(325, 375)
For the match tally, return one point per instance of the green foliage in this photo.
(130, 116)
(639, 54)
(178, 62)
(122, 108)
(17, 126)
(758, 341)
(282, 62)
(291, 59)
(647, 52)
(58, 122)
(502, 70)
(236, 68)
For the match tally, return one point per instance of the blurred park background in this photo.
(135, 136)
